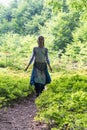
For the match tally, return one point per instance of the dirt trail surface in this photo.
(20, 116)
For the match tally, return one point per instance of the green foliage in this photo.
(58, 6)
(76, 52)
(79, 5)
(75, 55)
(15, 50)
(80, 33)
(69, 33)
(63, 105)
(64, 26)
(64, 31)
(24, 17)
(13, 87)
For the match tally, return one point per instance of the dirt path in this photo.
(20, 116)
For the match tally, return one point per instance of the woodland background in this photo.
(64, 26)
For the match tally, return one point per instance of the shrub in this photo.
(64, 104)
(13, 87)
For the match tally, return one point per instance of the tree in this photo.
(24, 17)
(64, 26)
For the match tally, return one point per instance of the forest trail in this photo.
(20, 116)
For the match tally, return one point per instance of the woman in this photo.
(40, 76)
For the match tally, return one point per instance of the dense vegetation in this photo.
(64, 104)
(13, 87)
(64, 25)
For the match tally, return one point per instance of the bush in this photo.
(2, 64)
(13, 87)
(64, 104)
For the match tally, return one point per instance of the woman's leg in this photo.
(39, 88)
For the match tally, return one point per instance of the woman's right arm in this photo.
(31, 60)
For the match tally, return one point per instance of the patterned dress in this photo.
(40, 72)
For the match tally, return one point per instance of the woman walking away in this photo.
(40, 75)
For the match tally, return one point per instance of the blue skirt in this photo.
(48, 78)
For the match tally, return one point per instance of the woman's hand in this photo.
(26, 68)
(50, 68)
